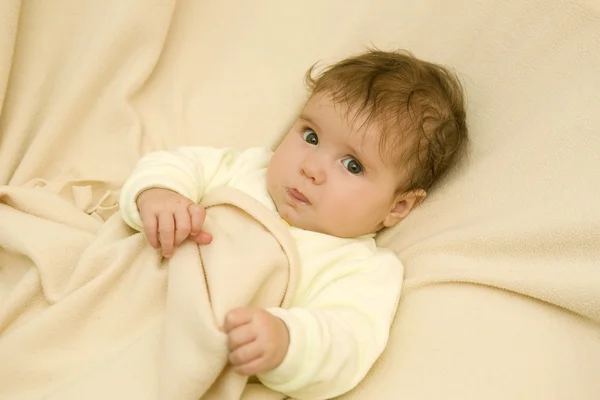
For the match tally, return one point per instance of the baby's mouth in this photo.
(297, 195)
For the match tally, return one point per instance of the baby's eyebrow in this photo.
(310, 121)
(361, 157)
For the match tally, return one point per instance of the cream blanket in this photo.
(91, 311)
(501, 296)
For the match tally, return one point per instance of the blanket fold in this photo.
(84, 304)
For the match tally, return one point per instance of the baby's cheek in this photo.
(334, 213)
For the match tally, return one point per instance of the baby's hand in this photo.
(258, 341)
(170, 218)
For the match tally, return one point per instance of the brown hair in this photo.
(418, 105)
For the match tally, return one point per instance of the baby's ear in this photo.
(403, 204)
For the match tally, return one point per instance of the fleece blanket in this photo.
(91, 310)
(501, 294)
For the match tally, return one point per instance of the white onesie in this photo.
(348, 289)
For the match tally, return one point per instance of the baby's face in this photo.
(327, 176)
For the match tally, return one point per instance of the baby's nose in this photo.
(313, 170)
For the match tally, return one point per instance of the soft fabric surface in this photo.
(91, 310)
(502, 285)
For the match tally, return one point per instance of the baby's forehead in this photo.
(338, 120)
(357, 125)
(389, 144)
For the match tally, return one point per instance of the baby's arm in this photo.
(189, 171)
(337, 336)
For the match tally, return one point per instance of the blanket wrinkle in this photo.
(96, 198)
(9, 20)
(56, 110)
(78, 287)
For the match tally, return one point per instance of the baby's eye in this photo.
(352, 165)
(310, 136)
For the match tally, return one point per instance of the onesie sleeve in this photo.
(338, 335)
(189, 171)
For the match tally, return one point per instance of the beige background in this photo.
(502, 291)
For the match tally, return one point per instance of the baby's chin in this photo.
(313, 223)
(338, 231)
(291, 217)
(303, 224)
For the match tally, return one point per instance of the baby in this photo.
(377, 132)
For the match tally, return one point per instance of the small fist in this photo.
(258, 341)
(170, 218)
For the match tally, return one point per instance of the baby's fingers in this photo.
(247, 358)
(182, 226)
(151, 229)
(240, 336)
(253, 367)
(202, 238)
(197, 215)
(166, 233)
